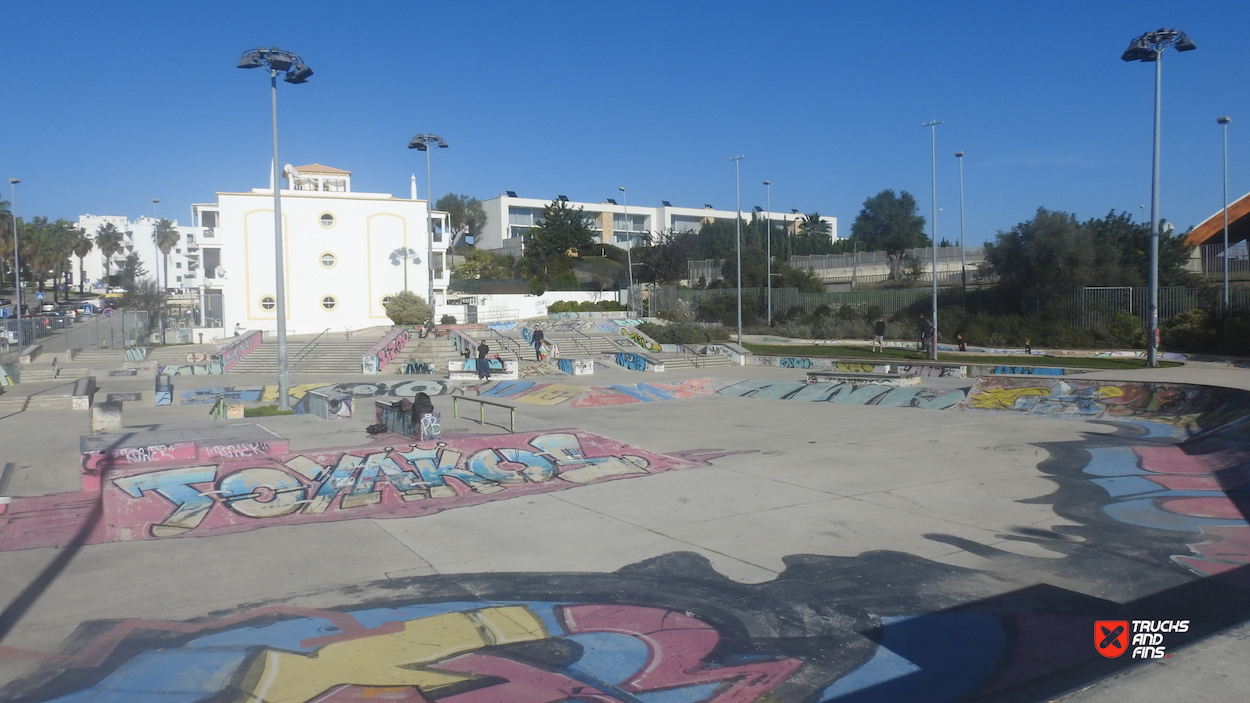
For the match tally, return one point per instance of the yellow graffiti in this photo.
(394, 659)
(640, 340)
(553, 394)
(1003, 398)
(270, 393)
(854, 368)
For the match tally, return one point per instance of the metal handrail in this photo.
(307, 349)
(505, 341)
(455, 410)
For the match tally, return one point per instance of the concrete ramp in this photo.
(1188, 407)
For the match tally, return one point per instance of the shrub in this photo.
(536, 285)
(565, 280)
(1192, 330)
(408, 308)
(683, 333)
(447, 320)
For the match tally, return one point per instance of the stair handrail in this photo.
(307, 349)
(505, 341)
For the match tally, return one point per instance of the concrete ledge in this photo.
(636, 360)
(29, 354)
(84, 389)
(877, 379)
(467, 370)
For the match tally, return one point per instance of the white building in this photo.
(345, 253)
(184, 258)
(509, 218)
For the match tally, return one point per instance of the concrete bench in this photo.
(467, 370)
(879, 379)
(84, 388)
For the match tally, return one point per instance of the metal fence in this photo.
(1083, 308)
(865, 266)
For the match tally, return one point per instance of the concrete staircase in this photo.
(436, 351)
(100, 358)
(12, 403)
(328, 356)
(690, 361)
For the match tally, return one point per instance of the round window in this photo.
(328, 260)
(327, 220)
(268, 303)
(329, 303)
(386, 300)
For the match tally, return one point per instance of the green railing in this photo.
(455, 410)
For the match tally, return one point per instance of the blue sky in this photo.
(109, 105)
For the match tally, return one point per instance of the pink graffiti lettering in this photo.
(241, 450)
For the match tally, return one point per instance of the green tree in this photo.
(815, 236)
(132, 271)
(1047, 254)
(82, 246)
(166, 237)
(1122, 252)
(889, 223)
(755, 273)
(6, 238)
(666, 260)
(110, 241)
(467, 215)
(561, 229)
(408, 308)
(143, 294)
(488, 265)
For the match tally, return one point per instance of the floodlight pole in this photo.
(1146, 48)
(296, 72)
(423, 142)
(1224, 122)
(963, 260)
(629, 248)
(738, 222)
(932, 125)
(768, 215)
(17, 261)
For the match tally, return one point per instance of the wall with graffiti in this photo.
(234, 351)
(642, 340)
(8, 375)
(729, 350)
(816, 362)
(381, 354)
(532, 393)
(931, 370)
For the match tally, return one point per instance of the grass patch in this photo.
(839, 352)
(266, 411)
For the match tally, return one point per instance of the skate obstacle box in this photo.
(164, 389)
(862, 379)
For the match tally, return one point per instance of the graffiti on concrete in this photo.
(853, 393)
(932, 371)
(234, 351)
(136, 353)
(816, 362)
(123, 397)
(1169, 403)
(387, 348)
(543, 369)
(804, 636)
(205, 490)
(418, 367)
(576, 367)
(8, 375)
(587, 397)
(633, 362)
(1029, 370)
(212, 367)
(124, 372)
(640, 339)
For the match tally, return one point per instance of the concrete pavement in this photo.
(835, 550)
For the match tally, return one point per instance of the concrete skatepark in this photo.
(702, 534)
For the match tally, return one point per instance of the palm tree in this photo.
(815, 235)
(82, 246)
(110, 241)
(166, 238)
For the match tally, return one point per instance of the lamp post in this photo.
(17, 260)
(1224, 121)
(156, 249)
(932, 125)
(1146, 48)
(738, 222)
(296, 72)
(768, 216)
(629, 248)
(963, 259)
(422, 142)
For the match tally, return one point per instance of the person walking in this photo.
(878, 335)
(925, 329)
(537, 341)
(483, 363)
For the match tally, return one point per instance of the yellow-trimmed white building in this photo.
(345, 253)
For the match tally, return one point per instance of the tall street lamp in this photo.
(17, 260)
(1224, 121)
(156, 249)
(423, 142)
(1146, 48)
(738, 221)
(932, 125)
(296, 72)
(629, 247)
(768, 216)
(963, 260)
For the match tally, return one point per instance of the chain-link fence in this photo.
(1083, 308)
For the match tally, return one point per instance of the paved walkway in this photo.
(714, 545)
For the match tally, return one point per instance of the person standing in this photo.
(483, 363)
(537, 340)
(878, 335)
(959, 339)
(926, 333)
(237, 329)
